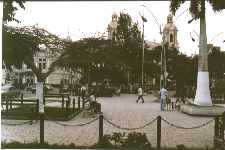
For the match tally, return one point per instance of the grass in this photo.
(29, 112)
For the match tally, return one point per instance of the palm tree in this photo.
(197, 9)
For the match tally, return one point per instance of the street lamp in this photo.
(143, 51)
(163, 64)
(163, 75)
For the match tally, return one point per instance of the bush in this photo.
(133, 140)
(106, 91)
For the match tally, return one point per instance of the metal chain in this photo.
(124, 128)
(80, 124)
(180, 127)
(20, 123)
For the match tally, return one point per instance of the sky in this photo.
(83, 19)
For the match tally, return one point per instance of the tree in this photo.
(129, 42)
(9, 9)
(20, 45)
(216, 63)
(95, 58)
(197, 9)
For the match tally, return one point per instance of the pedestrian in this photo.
(173, 103)
(163, 97)
(83, 91)
(140, 95)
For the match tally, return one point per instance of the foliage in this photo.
(132, 140)
(29, 112)
(37, 145)
(129, 40)
(216, 63)
(21, 44)
(197, 7)
(9, 9)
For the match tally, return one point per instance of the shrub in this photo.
(133, 140)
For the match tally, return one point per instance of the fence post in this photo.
(42, 128)
(10, 102)
(83, 103)
(73, 104)
(158, 132)
(7, 104)
(37, 108)
(216, 131)
(67, 107)
(62, 101)
(78, 102)
(222, 126)
(100, 128)
(21, 98)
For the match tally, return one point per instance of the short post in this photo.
(68, 99)
(73, 104)
(7, 104)
(37, 108)
(83, 103)
(79, 103)
(44, 99)
(10, 102)
(216, 131)
(100, 128)
(158, 132)
(222, 126)
(62, 101)
(67, 107)
(41, 128)
(21, 97)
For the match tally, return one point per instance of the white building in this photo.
(43, 59)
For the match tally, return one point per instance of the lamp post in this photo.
(163, 64)
(143, 51)
(163, 73)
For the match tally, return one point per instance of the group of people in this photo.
(166, 103)
(90, 96)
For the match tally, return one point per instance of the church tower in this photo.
(112, 27)
(170, 32)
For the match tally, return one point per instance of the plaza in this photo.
(124, 111)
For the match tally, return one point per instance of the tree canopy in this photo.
(21, 44)
(9, 9)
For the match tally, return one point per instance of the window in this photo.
(39, 65)
(171, 38)
(44, 65)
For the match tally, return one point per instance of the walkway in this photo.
(124, 111)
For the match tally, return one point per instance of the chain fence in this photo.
(74, 125)
(125, 128)
(194, 127)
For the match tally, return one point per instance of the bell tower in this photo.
(170, 32)
(112, 27)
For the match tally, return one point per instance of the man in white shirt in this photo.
(140, 95)
(163, 96)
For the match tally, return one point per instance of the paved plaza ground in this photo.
(124, 111)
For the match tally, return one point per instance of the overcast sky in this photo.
(83, 19)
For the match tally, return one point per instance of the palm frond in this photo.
(175, 4)
(217, 5)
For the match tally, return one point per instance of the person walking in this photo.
(163, 97)
(140, 95)
(83, 91)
